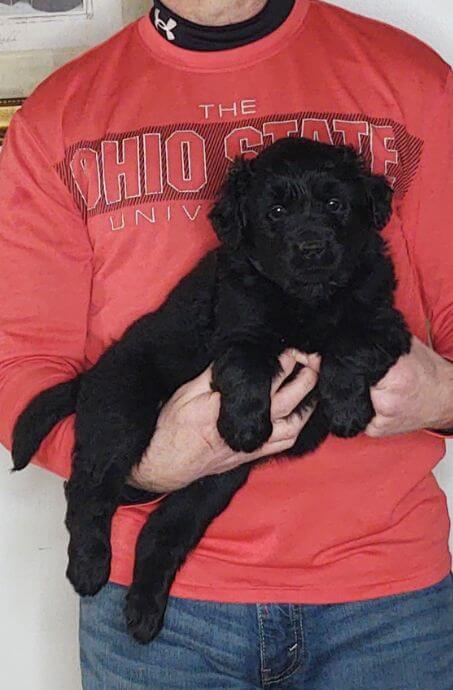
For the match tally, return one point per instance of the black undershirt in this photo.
(186, 34)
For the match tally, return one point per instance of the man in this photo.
(327, 573)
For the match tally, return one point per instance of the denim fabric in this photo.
(402, 642)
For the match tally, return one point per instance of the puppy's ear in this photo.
(228, 215)
(380, 196)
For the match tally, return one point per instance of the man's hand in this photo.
(416, 393)
(186, 444)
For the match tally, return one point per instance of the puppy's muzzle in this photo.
(313, 249)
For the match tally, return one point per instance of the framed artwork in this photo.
(33, 8)
(8, 106)
(57, 24)
(38, 36)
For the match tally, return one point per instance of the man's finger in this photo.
(313, 361)
(287, 362)
(283, 437)
(289, 428)
(378, 427)
(198, 386)
(289, 396)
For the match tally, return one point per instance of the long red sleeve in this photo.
(45, 284)
(428, 221)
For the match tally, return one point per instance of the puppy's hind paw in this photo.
(89, 573)
(144, 614)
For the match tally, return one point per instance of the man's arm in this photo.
(418, 392)
(187, 446)
(45, 287)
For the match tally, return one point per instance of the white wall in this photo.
(38, 611)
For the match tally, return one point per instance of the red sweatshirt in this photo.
(106, 178)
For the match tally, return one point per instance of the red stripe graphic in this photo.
(189, 161)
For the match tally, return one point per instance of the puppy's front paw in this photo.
(144, 613)
(245, 432)
(89, 567)
(350, 418)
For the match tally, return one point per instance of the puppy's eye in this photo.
(334, 205)
(277, 212)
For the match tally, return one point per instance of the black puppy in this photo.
(301, 265)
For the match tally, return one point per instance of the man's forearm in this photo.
(417, 393)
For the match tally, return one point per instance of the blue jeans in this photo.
(402, 642)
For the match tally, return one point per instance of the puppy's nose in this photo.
(312, 248)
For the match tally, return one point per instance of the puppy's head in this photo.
(303, 212)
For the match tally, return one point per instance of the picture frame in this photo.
(8, 107)
(21, 71)
(24, 27)
(35, 43)
(20, 10)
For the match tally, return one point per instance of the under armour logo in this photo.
(165, 26)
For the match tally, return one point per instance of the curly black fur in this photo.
(302, 265)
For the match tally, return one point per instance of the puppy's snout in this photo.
(312, 248)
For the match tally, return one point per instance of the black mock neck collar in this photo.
(186, 34)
